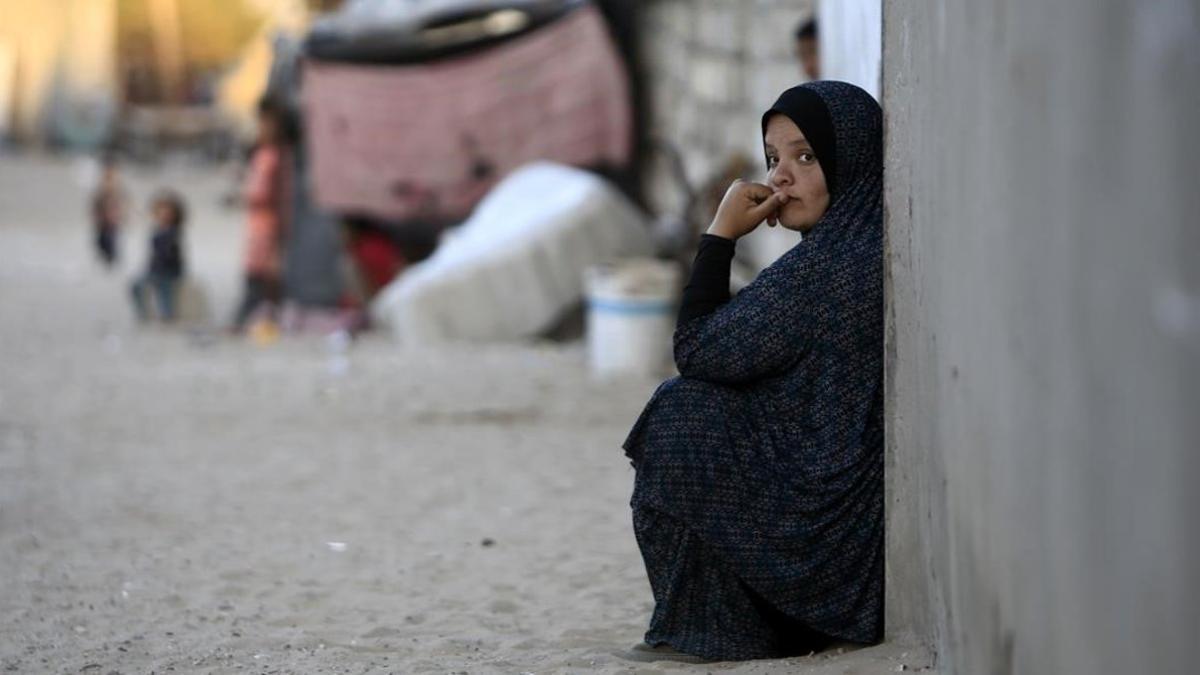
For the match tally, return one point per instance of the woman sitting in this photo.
(758, 502)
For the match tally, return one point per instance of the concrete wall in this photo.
(1044, 332)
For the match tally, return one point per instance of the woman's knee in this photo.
(691, 389)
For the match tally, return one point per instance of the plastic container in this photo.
(631, 316)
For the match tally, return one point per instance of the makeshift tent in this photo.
(515, 267)
(420, 117)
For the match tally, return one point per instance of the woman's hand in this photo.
(744, 207)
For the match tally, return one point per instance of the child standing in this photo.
(264, 196)
(166, 264)
(108, 210)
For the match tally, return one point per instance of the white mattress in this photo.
(512, 269)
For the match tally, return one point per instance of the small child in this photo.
(108, 211)
(264, 196)
(166, 264)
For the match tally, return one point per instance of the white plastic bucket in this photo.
(631, 316)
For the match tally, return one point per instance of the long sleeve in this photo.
(758, 333)
(708, 287)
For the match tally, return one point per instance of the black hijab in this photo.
(805, 107)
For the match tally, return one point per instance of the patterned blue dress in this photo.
(758, 499)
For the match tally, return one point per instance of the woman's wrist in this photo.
(717, 230)
(718, 239)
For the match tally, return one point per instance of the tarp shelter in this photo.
(416, 115)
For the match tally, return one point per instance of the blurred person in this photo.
(376, 257)
(108, 212)
(808, 48)
(263, 195)
(758, 497)
(165, 268)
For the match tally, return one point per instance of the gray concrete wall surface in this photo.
(1044, 332)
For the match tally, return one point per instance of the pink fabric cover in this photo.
(409, 140)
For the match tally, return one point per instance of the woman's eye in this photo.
(772, 161)
(807, 158)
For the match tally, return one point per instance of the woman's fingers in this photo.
(767, 208)
(756, 192)
(746, 206)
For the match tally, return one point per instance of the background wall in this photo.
(1044, 320)
(51, 42)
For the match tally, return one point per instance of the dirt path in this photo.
(176, 503)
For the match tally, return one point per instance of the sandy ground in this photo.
(171, 502)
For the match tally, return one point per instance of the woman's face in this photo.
(795, 173)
